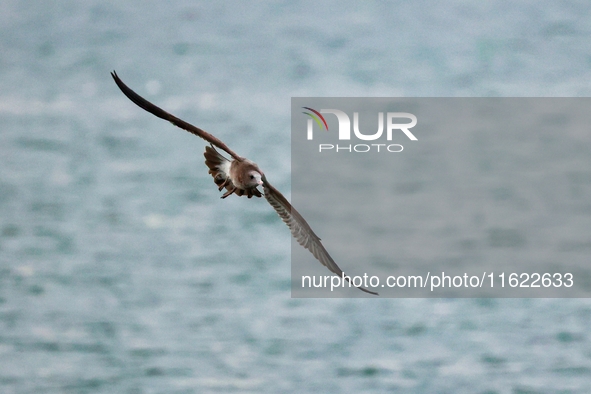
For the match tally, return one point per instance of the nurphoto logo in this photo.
(344, 132)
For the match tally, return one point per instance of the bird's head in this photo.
(254, 179)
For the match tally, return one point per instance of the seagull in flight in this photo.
(242, 177)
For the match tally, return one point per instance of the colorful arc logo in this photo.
(317, 116)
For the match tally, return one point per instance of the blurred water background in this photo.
(121, 270)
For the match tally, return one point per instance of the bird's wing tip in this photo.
(369, 292)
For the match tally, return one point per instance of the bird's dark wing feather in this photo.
(301, 230)
(159, 112)
(296, 223)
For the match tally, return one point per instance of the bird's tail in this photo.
(219, 167)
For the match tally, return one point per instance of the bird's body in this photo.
(242, 177)
(237, 176)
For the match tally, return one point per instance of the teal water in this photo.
(121, 270)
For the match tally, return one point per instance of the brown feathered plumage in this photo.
(242, 177)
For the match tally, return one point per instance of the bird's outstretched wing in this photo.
(298, 226)
(301, 230)
(159, 112)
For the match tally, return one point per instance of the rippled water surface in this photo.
(121, 270)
